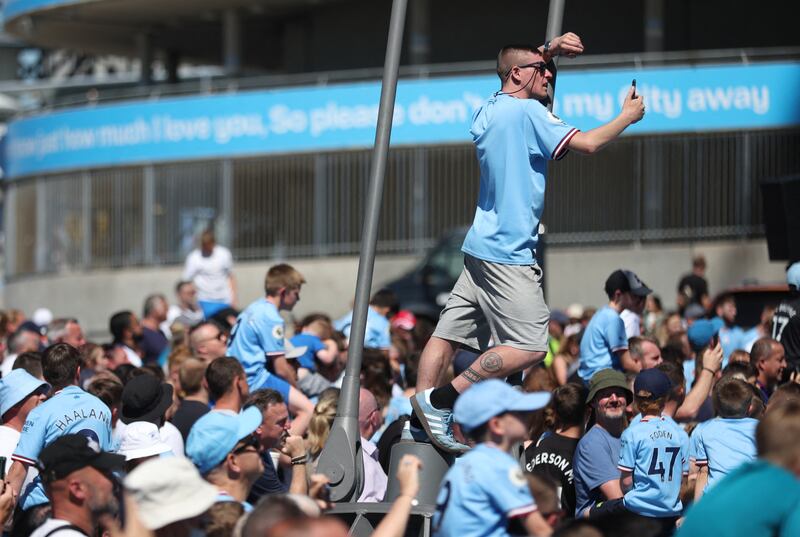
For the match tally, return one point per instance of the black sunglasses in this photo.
(539, 66)
(247, 442)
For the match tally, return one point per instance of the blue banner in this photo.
(15, 8)
(434, 111)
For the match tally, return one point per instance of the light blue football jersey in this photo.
(377, 334)
(656, 451)
(514, 139)
(723, 444)
(480, 493)
(604, 336)
(731, 339)
(257, 334)
(68, 411)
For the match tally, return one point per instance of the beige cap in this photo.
(167, 490)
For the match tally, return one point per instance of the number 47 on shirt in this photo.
(657, 466)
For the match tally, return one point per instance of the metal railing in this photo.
(655, 188)
(79, 91)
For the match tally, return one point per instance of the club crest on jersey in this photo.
(516, 476)
(277, 332)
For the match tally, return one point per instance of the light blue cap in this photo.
(215, 435)
(701, 332)
(493, 397)
(16, 386)
(793, 275)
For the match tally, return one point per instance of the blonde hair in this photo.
(190, 376)
(321, 420)
(176, 358)
(282, 277)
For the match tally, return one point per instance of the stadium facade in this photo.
(267, 139)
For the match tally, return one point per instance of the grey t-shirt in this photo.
(595, 463)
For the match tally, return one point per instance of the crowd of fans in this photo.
(198, 418)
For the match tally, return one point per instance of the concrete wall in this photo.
(93, 297)
(577, 274)
(574, 274)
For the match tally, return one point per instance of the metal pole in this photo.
(555, 15)
(340, 460)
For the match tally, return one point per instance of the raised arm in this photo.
(396, 520)
(592, 141)
(569, 45)
(712, 360)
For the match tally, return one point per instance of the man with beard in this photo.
(127, 333)
(595, 464)
(78, 480)
(730, 336)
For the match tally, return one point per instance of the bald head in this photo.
(769, 359)
(208, 341)
(369, 415)
(761, 350)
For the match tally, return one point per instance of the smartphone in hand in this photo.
(633, 83)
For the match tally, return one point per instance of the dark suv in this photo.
(425, 289)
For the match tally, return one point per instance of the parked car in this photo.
(424, 290)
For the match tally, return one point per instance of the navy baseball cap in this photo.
(493, 397)
(654, 381)
(17, 386)
(215, 435)
(793, 275)
(627, 282)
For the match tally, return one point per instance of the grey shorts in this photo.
(501, 302)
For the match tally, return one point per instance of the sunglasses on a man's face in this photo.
(539, 66)
(247, 442)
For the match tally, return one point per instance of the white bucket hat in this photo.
(167, 490)
(141, 439)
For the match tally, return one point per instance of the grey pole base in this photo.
(435, 464)
(363, 518)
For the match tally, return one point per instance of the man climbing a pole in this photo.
(498, 297)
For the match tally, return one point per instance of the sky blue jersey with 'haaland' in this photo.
(68, 411)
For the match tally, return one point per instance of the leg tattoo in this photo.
(492, 362)
(472, 375)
